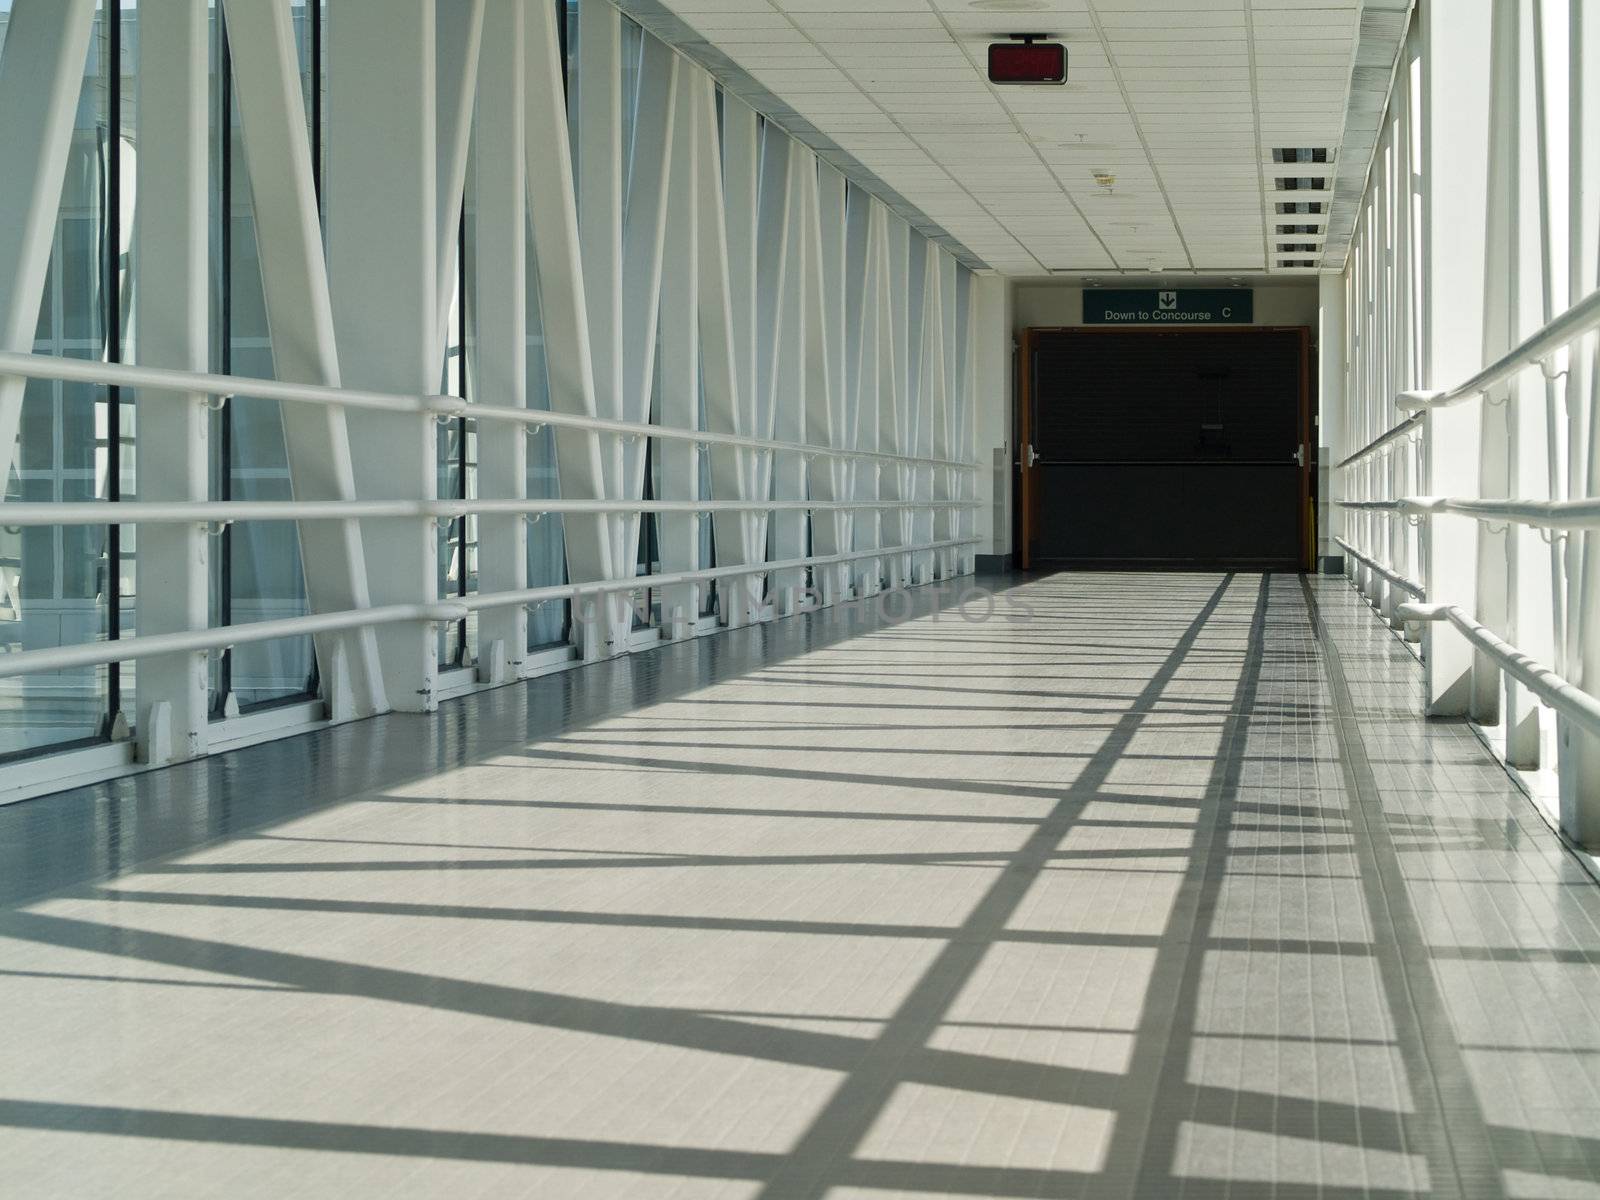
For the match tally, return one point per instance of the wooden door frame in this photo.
(1026, 494)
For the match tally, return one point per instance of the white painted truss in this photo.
(731, 333)
(1468, 411)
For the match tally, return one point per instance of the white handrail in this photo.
(161, 379)
(1567, 699)
(1400, 581)
(18, 514)
(1408, 426)
(60, 658)
(1582, 318)
(1538, 514)
(578, 591)
(93, 654)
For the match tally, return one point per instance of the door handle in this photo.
(1033, 456)
(1300, 455)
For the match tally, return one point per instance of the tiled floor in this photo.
(1149, 885)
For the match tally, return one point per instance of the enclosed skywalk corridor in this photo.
(1144, 885)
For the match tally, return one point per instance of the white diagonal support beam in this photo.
(457, 45)
(294, 278)
(679, 404)
(889, 261)
(828, 408)
(41, 72)
(601, 188)
(864, 382)
(644, 248)
(563, 306)
(727, 355)
(782, 336)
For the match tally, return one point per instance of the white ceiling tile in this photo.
(1182, 100)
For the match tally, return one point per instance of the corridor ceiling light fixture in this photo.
(1027, 58)
(1105, 179)
(1007, 5)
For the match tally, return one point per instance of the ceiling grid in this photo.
(1157, 155)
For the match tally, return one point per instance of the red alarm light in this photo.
(1027, 61)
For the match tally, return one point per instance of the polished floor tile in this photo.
(1146, 886)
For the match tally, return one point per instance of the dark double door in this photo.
(1165, 448)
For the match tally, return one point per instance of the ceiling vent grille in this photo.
(1297, 262)
(1292, 229)
(1300, 154)
(1304, 207)
(1302, 183)
(1297, 247)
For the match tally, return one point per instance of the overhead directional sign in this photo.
(1183, 306)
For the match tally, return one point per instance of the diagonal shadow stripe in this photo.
(687, 1162)
(684, 1028)
(837, 1132)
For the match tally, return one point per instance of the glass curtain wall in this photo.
(71, 584)
(257, 573)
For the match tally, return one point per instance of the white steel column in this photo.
(1497, 410)
(171, 311)
(458, 39)
(1579, 753)
(552, 206)
(788, 216)
(41, 72)
(827, 340)
(990, 404)
(727, 354)
(967, 438)
(383, 273)
(294, 278)
(501, 277)
(1455, 115)
(679, 402)
(780, 383)
(1330, 414)
(931, 437)
(820, 266)
(644, 250)
(889, 340)
(600, 185)
(1533, 619)
(861, 351)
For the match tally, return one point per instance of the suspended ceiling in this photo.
(1183, 101)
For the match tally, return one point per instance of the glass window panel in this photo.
(47, 308)
(37, 437)
(33, 573)
(85, 565)
(547, 558)
(258, 573)
(80, 267)
(54, 580)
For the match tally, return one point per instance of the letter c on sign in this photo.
(1227, 312)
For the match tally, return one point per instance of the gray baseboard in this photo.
(1332, 564)
(992, 564)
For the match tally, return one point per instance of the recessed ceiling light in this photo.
(1105, 179)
